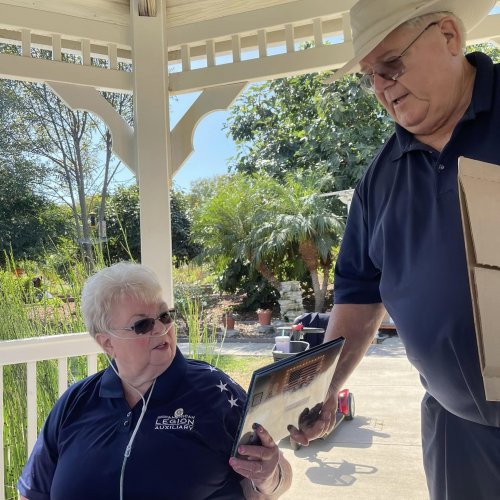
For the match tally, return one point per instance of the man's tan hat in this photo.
(373, 20)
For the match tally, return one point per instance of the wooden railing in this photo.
(29, 352)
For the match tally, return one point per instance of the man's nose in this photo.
(380, 83)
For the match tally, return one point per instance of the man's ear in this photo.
(451, 31)
(104, 340)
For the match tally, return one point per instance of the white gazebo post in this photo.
(152, 137)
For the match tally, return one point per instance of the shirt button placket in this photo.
(441, 178)
(126, 422)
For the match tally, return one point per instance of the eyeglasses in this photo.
(146, 325)
(391, 69)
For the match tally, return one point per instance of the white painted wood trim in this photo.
(261, 36)
(346, 27)
(86, 98)
(13, 16)
(31, 399)
(50, 347)
(277, 66)
(30, 351)
(236, 48)
(56, 47)
(289, 38)
(62, 375)
(113, 56)
(91, 364)
(42, 70)
(210, 100)
(152, 136)
(86, 52)
(185, 58)
(26, 43)
(210, 53)
(318, 32)
(252, 21)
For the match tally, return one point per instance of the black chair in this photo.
(313, 320)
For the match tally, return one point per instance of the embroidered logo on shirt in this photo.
(177, 421)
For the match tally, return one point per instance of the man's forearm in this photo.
(358, 323)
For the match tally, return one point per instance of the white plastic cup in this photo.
(282, 343)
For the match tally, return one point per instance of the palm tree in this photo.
(267, 222)
(301, 225)
(224, 222)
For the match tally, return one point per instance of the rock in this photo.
(266, 329)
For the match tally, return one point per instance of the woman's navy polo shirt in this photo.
(181, 451)
(404, 246)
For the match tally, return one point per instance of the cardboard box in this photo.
(479, 191)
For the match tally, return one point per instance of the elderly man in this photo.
(403, 247)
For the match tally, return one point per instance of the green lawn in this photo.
(240, 368)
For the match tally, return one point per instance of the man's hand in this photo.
(316, 422)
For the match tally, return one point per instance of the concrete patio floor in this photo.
(378, 454)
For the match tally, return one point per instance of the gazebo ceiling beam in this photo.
(42, 70)
(267, 68)
(275, 37)
(72, 28)
(299, 14)
(271, 18)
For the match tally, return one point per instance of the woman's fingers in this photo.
(258, 462)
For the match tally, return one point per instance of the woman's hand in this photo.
(259, 462)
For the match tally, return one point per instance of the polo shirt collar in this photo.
(166, 383)
(482, 99)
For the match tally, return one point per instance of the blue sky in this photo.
(212, 148)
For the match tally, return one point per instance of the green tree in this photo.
(299, 123)
(123, 224)
(488, 48)
(29, 223)
(271, 223)
(74, 147)
(123, 221)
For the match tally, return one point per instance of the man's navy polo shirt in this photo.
(404, 246)
(181, 451)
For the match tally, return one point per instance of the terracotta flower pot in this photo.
(228, 321)
(264, 316)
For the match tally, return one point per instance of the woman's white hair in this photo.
(437, 16)
(103, 290)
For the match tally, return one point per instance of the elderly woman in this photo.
(153, 424)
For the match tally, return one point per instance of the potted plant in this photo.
(228, 319)
(264, 316)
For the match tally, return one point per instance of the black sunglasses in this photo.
(146, 325)
(391, 69)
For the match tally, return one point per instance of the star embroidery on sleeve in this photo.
(222, 387)
(233, 402)
(212, 368)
